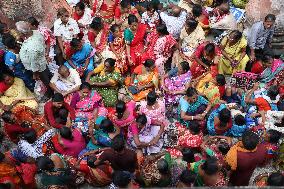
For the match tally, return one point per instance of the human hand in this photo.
(252, 57)
(255, 86)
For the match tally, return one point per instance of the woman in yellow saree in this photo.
(143, 80)
(234, 53)
(13, 92)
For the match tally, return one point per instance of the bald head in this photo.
(176, 11)
(23, 27)
(63, 71)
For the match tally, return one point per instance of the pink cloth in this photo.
(130, 107)
(74, 147)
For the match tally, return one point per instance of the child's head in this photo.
(273, 136)
(115, 30)
(184, 67)
(187, 155)
(194, 128)
(224, 117)
(187, 177)
(223, 147)
(220, 79)
(125, 5)
(163, 166)
(79, 8)
(240, 120)
(121, 179)
(150, 9)
(9, 41)
(275, 179)
(272, 92)
(196, 10)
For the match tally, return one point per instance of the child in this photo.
(239, 124)
(117, 46)
(150, 17)
(271, 139)
(12, 60)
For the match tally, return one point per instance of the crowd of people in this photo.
(133, 94)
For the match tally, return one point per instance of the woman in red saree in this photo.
(105, 9)
(134, 38)
(205, 58)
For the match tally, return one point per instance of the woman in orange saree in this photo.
(134, 38)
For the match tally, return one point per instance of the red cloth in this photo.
(117, 12)
(14, 130)
(262, 104)
(3, 87)
(257, 67)
(222, 90)
(49, 114)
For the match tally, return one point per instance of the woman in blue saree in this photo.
(82, 57)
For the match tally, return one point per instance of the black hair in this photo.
(272, 92)
(185, 66)
(194, 127)
(240, 120)
(30, 136)
(111, 61)
(210, 48)
(210, 166)
(2, 156)
(66, 133)
(275, 179)
(118, 143)
(121, 179)
(75, 42)
(188, 155)
(191, 92)
(80, 5)
(221, 80)
(274, 136)
(5, 185)
(114, 27)
(6, 73)
(132, 19)
(2, 27)
(9, 41)
(270, 17)
(162, 29)
(6, 116)
(163, 166)
(61, 11)
(107, 126)
(196, 10)
(223, 147)
(91, 161)
(250, 140)
(125, 3)
(142, 119)
(192, 24)
(58, 97)
(44, 163)
(85, 85)
(120, 108)
(224, 117)
(150, 6)
(237, 34)
(33, 21)
(187, 177)
(97, 24)
(149, 63)
(151, 98)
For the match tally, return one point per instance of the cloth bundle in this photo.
(244, 80)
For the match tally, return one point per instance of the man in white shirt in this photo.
(65, 29)
(65, 81)
(174, 22)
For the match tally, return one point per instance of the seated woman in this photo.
(12, 60)
(13, 92)
(123, 11)
(98, 37)
(143, 80)
(88, 106)
(145, 136)
(191, 36)
(105, 9)
(193, 107)
(134, 38)
(199, 14)
(154, 109)
(69, 142)
(206, 58)
(117, 46)
(234, 57)
(220, 121)
(106, 79)
(160, 48)
(82, 58)
(174, 82)
(102, 136)
(208, 173)
(124, 115)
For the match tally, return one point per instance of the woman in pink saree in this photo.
(88, 106)
(160, 47)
